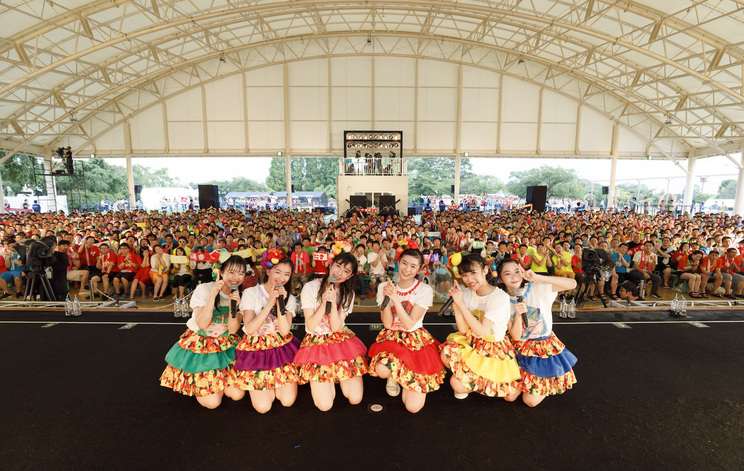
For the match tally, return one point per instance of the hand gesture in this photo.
(329, 295)
(234, 296)
(455, 293)
(391, 291)
(529, 275)
(520, 308)
(218, 284)
(279, 291)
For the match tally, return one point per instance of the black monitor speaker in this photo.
(537, 196)
(605, 190)
(357, 202)
(209, 197)
(137, 189)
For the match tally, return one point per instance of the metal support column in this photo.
(739, 201)
(613, 168)
(690, 185)
(128, 151)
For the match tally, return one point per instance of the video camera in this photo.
(597, 262)
(36, 253)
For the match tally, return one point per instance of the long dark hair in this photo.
(347, 287)
(233, 261)
(471, 263)
(500, 269)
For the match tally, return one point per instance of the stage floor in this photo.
(652, 393)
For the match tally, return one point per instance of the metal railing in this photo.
(371, 165)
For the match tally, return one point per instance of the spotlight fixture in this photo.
(465, 154)
(369, 39)
(521, 58)
(669, 120)
(649, 157)
(222, 57)
(279, 153)
(73, 117)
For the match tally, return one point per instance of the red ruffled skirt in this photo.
(332, 357)
(412, 357)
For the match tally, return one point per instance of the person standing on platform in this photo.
(481, 357)
(405, 353)
(198, 364)
(264, 363)
(547, 365)
(330, 352)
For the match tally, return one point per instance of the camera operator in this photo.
(59, 264)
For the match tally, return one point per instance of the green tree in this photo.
(481, 185)
(308, 174)
(727, 190)
(148, 179)
(435, 176)
(18, 173)
(561, 182)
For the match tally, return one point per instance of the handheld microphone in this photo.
(233, 303)
(385, 300)
(282, 302)
(331, 280)
(445, 307)
(520, 298)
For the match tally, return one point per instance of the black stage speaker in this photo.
(357, 202)
(536, 195)
(209, 197)
(605, 190)
(388, 205)
(411, 210)
(453, 189)
(137, 189)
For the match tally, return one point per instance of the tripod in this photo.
(586, 282)
(37, 280)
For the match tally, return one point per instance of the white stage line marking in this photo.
(46, 326)
(127, 326)
(698, 324)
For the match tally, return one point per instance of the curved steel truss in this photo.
(666, 69)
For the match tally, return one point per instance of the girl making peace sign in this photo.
(198, 362)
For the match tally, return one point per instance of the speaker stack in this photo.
(537, 196)
(209, 197)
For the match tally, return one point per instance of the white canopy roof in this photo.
(77, 72)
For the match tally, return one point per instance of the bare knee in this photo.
(532, 400)
(234, 393)
(262, 407)
(414, 406)
(382, 371)
(212, 401)
(323, 405)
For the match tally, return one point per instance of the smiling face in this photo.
(232, 275)
(342, 271)
(280, 274)
(511, 275)
(476, 278)
(408, 267)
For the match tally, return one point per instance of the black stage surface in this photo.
(84, 394)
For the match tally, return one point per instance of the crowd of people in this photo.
(118, 253)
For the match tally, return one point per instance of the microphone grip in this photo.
(525, 320)
(447, 304)
(282, 304)
(233, 303)
(328, 308)
(385, 302)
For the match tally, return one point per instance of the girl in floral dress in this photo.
(480, 356)
(330, 352)
(264, 359)
(547, 365)
(404, 352)
(198, 364)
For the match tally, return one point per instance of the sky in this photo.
(657, 174)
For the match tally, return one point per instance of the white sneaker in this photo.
(392, 387)
(461, 395)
